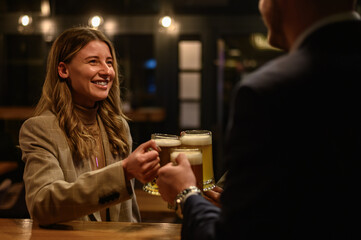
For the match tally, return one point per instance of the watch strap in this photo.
(183, 195)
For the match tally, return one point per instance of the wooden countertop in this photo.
(144, 114)
(25, 229)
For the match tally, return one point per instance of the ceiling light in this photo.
(95, 21)
(166, 21)
(25, 20)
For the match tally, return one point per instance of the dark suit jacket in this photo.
(293, 147)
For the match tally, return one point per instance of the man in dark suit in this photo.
(294, 139)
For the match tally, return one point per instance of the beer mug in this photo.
(165, 142)
(201, 139)
(194, 156)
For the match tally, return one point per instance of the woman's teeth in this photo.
(102, 83)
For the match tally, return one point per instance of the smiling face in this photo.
(90, 73)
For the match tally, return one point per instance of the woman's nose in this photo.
(105, 69)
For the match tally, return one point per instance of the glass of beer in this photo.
(165, 142)
(194, 156)
(201, 139)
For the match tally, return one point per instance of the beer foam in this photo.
(194, 157)
(196, 139)
(167, 142)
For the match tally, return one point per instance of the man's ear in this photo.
(63, 70)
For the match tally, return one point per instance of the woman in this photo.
(77, 147)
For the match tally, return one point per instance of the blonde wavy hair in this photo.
(56, 97)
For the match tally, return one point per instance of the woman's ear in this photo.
(63, 70)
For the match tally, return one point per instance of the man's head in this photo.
(287, 19)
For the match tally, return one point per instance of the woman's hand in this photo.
(143, 162)
(214, 195)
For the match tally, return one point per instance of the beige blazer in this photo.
(60, 188)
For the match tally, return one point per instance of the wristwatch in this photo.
(183, 195)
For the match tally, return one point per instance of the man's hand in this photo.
(172, 179)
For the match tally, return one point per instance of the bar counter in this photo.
(25, 229)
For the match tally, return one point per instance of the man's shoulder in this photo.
(282, 70)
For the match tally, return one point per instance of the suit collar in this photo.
(348, 16)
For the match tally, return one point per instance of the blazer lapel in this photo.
(114, 211)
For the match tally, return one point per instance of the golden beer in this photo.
(201, 139)
(194, 156)
(165, 142)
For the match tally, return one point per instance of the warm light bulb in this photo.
(166, 21)
(25, 20)
(96, 21)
